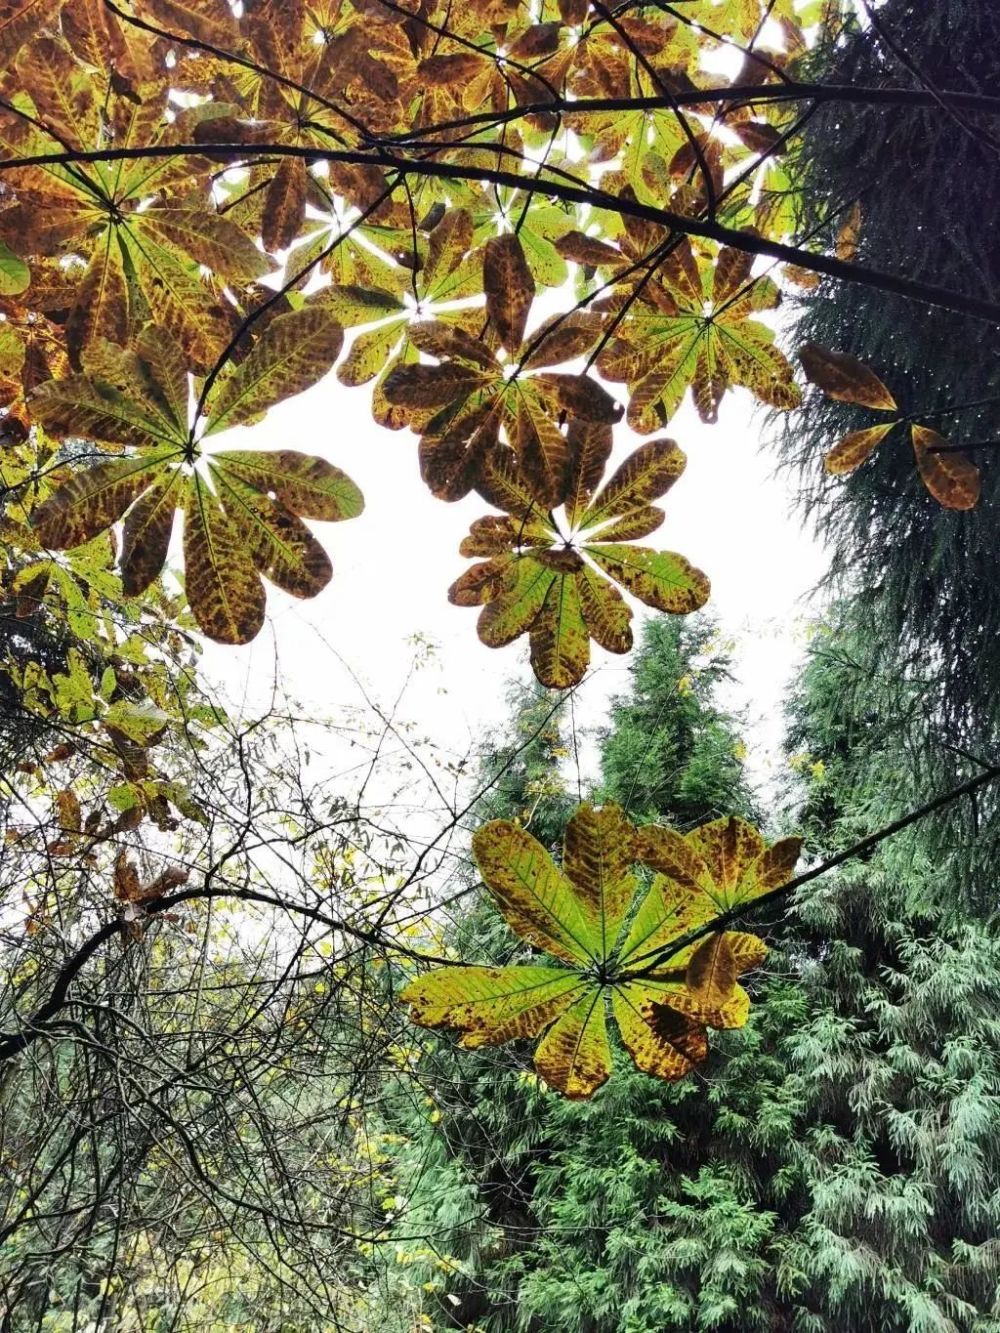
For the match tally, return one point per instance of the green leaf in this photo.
(559, 638)
(646, 475)
(294, 352)
(574, 1056)
(555, 595)
(536, 898)
(598, 853)
(223, 589)
(281, 546)
(307, 486)
(351, 304)
(491, 1004)
(661, 579)
(140, 722)
(15, 275)
(514, 605)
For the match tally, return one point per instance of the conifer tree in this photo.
(925, 579)
(832, 1169)
(582, 1216)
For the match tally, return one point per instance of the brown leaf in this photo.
(589, 446)
(587, 250)
(20, 20)
(207, 20)
(68, 814)
(579, 395)
(503, 485)
(223, 589)
(447, 245)
(126, 879)
(495, 533)
(293, 353)
(448, 71)
(453, 449)
(91, 500)
(509, 288)
(542, 454)
(101, 309)
(541, 39)
(562, 338)
(850, 452)
(146, 534)
(481, 583)
(950, 477)
(446, 341)
(845, 378)
(422, 386)
(304, 484)
(573, 12)
(605, 611)
(285, 204)
(846, 245)
(211, 240)
(758, 136)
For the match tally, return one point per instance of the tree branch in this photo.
(747, 241)
(661, 956)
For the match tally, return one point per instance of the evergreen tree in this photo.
(926, 578)
(889, 1111)
(669, 752)
(833, 1169)
(559, 1215)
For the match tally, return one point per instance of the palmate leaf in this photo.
(951, 478)
(693, 325)
(556, 586)
(150, 251)
(243, 509)
(579, 915)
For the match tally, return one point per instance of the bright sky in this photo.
(392, 566)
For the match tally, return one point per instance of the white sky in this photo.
(728, 514)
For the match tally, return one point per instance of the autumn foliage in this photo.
(524, 228)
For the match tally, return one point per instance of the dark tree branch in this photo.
(750, 242)
(866, 844)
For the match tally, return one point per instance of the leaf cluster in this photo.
(647, 948)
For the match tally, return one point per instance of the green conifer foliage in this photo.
(670, 751)
(559, 1215)
(834, 1169)
(924, 182)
